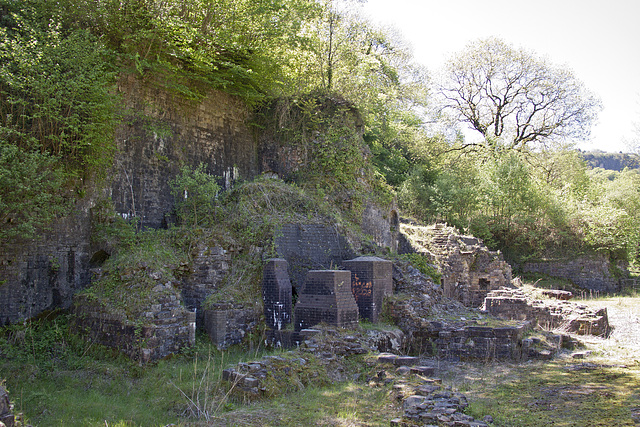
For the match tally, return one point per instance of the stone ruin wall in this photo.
(164, 329)
(165, 133)
(548, 313)
(44, 274)
(161, 135)
(591, 273)
(469, 269)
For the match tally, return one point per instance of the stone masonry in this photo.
(326, 297)
(276, 294)
(548, 313)
(469, 269)
(371, 281)
(164, 328)
(228, 324)
(587, 272)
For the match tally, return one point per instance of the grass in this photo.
(56, 379)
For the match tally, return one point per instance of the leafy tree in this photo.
(56, 89)
(31, 192)
(514, 99)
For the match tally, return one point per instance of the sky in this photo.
(599, 40)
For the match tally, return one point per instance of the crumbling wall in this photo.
(469, 269)
(587, 272)
(163, 329)
(228, 324)
(550, 313)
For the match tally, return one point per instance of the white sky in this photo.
(598, 39)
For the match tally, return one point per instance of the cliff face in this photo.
(165, 133)
(160, 134)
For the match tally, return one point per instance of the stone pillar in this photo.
(371, 280)
(276, 294)
(327, 298)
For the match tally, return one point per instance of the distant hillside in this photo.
(611, 161)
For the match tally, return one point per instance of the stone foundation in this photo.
(164, 329)
(229, 324)
(549, 314)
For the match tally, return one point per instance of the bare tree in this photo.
(514, 99)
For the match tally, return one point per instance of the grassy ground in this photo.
(55, 380)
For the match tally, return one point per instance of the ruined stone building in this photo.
(469, 269)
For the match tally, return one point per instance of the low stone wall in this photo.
(228, 324)
(587, 272)
(550, 314)
(457, 341)
(165, 328)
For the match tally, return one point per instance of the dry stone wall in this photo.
(469, 269)
(162, 330)
(587, 272)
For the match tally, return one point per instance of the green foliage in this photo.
(195, 193)
(131, 274)
(57, 90)
(421, 262)
(31, 192)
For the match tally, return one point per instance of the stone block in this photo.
(327, 298)
(371, 281)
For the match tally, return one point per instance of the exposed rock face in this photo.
(551, 313)
(469, 269)
(588, 272)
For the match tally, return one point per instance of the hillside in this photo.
(611, 161)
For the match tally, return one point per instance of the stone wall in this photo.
(311, 247)
(469, 269)
(44, 274)
(162, 330)
(161, 133)
(210, 265)
(587, 272)
(548, 313)
(228, 324)
(165, 133)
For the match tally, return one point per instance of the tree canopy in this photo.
(515, 99)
